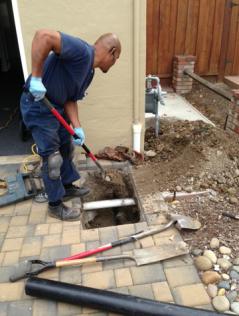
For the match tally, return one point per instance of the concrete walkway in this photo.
(27, 232)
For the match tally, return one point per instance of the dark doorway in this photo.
(11, 82)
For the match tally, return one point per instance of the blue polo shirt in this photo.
(66, 76)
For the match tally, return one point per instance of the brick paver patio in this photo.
(27, 232)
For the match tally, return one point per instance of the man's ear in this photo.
(112, 50)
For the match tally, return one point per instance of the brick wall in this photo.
(233, 114)
(181, 82)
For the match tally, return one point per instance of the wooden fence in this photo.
(208, 29)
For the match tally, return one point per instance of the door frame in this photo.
(19, 37)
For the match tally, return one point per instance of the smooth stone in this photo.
(235, 268)
(224, 264)
(236, 261)
(224, 285)
(233, 286)
(212, 290)
(210, 255)
(234, 275)
(231, 296)
(197, 252)
(221, 303)
(210, 277)
(214, 243)
(225, 250)
(225, 276)
(235, 307)
(221, 292)
(203, 263)
(150, 153)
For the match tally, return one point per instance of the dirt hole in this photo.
(120, 186)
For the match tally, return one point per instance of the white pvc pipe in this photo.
(137, 137)
(107, 204)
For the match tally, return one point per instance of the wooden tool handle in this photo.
(65, 263)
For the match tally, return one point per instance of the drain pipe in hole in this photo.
(95, 205)
(137, 136)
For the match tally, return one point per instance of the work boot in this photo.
(74, 191)
(64, 212)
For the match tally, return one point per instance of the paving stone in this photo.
(23, 208)
(20, 308)
(12, 244)
(89, 235)
(31, 246)
(167, 240)
(162, 292)
(183, 275)
(2, 255)
(123, 277)
(11, 258)
(11, 291)
(148, 273)
(90, 268)
(144, 290)
(57, 252)
(126, 230)
(121, 290)
(101, 280)
(19, 220)
(5, 273)
(77, 248)
(92, 245)
(55, 228)
(141, 226)
(108, 234)
(38, 215)
(2, 238)
(191, 295)
(71, 275)
(51, 240)
(70, 235)
(52, 274)
(44, 308)
(206, 307)
(112, 264)
(3, 308)
(7, 210)
(4, 223)
(64, 309)
(42, 229)
(177, 262)
(21, 231)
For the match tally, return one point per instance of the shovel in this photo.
(140, 256)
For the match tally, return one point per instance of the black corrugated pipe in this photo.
(106, 300)
(209, 85)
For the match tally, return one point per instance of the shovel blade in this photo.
(156, 254)
(185, 222)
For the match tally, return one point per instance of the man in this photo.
(62, 69)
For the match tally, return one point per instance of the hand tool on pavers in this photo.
(230, 215)
(140, 256)
(181, 221)
(25, 267)
(108, 301)
(71, 131)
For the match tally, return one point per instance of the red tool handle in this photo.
(71, 131)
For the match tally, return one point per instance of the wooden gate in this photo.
(208, 29)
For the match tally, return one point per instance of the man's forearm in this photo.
(71, 110)
(43, 43)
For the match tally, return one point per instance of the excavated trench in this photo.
(120, 186)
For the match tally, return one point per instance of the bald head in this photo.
(107, 51)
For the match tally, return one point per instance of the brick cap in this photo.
(186, 58)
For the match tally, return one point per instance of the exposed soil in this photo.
(194, 156)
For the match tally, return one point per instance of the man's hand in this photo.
(37, 88)
(79, 132)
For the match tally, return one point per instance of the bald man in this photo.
(62, 68)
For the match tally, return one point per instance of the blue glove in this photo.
(79, 132)
(37, 88)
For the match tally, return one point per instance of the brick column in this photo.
(233, 114)
(181, 82)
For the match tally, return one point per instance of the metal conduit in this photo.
(208, 84)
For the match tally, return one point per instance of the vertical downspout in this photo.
(137, 125)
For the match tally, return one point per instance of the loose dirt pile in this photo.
(194, 156)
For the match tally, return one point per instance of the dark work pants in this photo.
(50, 136)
